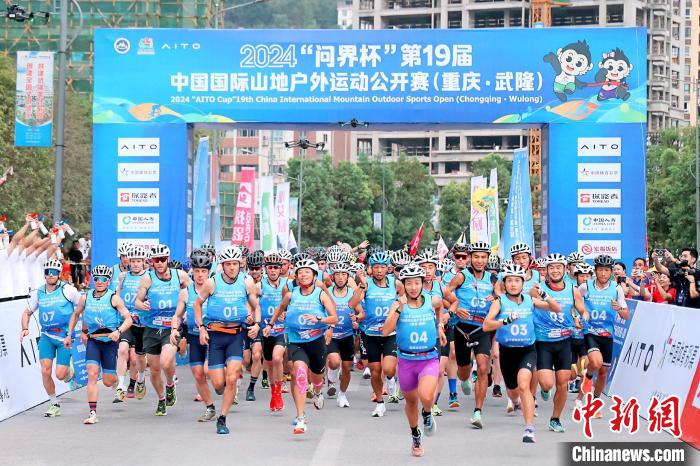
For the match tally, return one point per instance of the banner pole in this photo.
(61, 109)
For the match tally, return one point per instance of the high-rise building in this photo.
(449, 154)
(345, 14)
(691, 86)
(90, 14)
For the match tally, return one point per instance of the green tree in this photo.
(31, 187)
(416, 191)
(353, 203)
(454, 210)
(319, 216)
(380, 178)
(670, 190)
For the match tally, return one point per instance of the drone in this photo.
(305, 144)
(19, 14)
(354, 123)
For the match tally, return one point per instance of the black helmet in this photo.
(299, 257)
(256, 259)
(244, 250)
(200, 259)
(603, 260)
(460, 247)
(175, 264)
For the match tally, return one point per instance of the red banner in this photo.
(244, 221)
(415, 242)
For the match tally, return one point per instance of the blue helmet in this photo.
(380, 258)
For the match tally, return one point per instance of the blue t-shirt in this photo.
(227, 304)
(163, 295)
(55, 311)
(376, 304)
(269, 301)
(344, 326)
(128, 292)
(100, 313)
(299, 329)
(472, 296)
(521, 332)
(416, 331)
(556, 326)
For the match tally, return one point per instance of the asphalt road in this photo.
(130, 433)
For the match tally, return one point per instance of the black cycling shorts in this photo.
(445, 350)
(480, 342)
(345, 347)
(512, 359)
(578, 349)
(554, 355)
(374, 347)
(312, 353)
(270, 342)
(134, 336)
(602, 344)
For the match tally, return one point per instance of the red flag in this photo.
(416, 241)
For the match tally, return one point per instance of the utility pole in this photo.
(60, 117)
(302, 152)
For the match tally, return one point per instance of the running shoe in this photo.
(265, 384)
(342, 400)
(366, 374)
(331, 390)
(221, 425)
(53, 411)
(318, 400)
(476, 420)
(466, 387)
(170, 396)
(161, 409)
(379, 410)
(555, 425)
(299, 425)
(235, 398)
(309, 392)
(587, 385)
(436, 411)
(430, 425)
(572, 387)
(92, 418)
(454, 401)
(497, 393)
(119, 396)
(510, 407)
(140, 390)
(130, 392)
(474, 376)
(209, 415)
(285, 387)
(288, 377)
(545, 394)
(250, 395)
(416, 447)
(529, 435)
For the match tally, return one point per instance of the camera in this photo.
(660, 252)
(683, 264)
(621, 280)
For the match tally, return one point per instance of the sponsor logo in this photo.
(122, 45)
(135, 147)
(138, 223)
(138, 172)
(146, 243)
(599, 198)
(181, 46)
(591, 248)
(138, 197)
(599, 172)
(639, 355)
(599, 224)
(146, 46)
(599, 147)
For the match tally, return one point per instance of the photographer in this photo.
(661, 290)
(684, 276)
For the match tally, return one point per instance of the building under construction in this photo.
(86, 15)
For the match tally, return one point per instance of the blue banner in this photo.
(78, 361)
(140, 178)
(517, 227)
(34, 99)
(509, 75)
(201, 213)
(597, 198)
(620, 329)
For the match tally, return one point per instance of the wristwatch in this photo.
(319, 319)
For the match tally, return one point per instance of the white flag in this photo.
(442, 248)
(291, 242)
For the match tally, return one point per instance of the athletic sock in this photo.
(380, 401)
(53, 400)
(141, 377)
(253, 381)
(589, 376)
(161, 398)
(120, 385)
(452, 383)
(211, 406)
(415, 432)
(477, 410)
(132, 383)
(425, 414)
(554, 419)
(93, 405)
(170, 385)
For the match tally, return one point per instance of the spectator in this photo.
(620, 276)
(661, 289)
(75, 256)
(683, 274)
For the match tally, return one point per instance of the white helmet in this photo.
(428, 256)
(286, 255)
(480, 246)
(335, 254)
(124, 249)
(583, 267)
(411, 270)
(513, 271)
(102, 271)
(575, 258)
(160, 250)
(306, 264)
(399, 258)
(138, 252)
(53, 264)
(556, 258)
(357, 266)
(518, 248)
(340, 267)
(447, 264)
(231, 253)
(505, 263)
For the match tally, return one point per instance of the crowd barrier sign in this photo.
(659, 358)
(20, 372)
